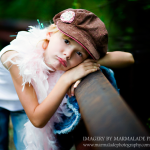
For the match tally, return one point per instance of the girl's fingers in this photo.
(90, 63)
(92, 67)
(91, 70)
(77, 83)
(73, 86)
(72, 90)
(69, 92)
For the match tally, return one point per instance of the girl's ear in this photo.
(48, 35)
(45, 44)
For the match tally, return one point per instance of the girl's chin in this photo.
(55, 67)
(52, 67)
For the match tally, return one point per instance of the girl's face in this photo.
(63, 53)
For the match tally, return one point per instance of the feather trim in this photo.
(34, 71)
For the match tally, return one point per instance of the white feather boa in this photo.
(34, 71)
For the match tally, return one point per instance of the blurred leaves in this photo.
(126, 20)
(146, 7)
(32, 9)
(76, 5)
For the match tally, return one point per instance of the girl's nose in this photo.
(68, 53)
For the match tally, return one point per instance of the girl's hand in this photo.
(72, 88)
(86, 67)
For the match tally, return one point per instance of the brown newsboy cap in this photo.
(84, 27)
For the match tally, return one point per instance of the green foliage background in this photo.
(120, 16)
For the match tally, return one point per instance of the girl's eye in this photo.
(66, 41)
(80, 54)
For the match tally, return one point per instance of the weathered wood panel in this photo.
(105, 113)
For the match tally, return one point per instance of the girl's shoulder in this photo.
(5, 57)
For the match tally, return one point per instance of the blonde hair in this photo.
(52, 28)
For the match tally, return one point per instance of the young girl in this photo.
(45, 63)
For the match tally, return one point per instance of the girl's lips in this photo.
(62, 61)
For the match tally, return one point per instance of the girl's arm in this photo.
(39, 114)
(116, 59)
